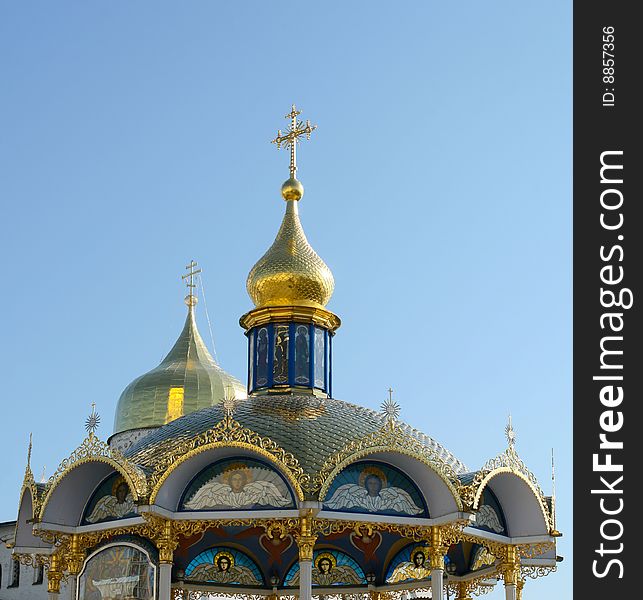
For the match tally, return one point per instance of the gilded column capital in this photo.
(75, 555)
(463, 591)
(166, 541)
(437, 549)
(510, 565)
(305, 538)
(54, 574)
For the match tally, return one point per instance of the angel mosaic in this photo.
(416, 568)
(373, 493)
(115, 505)
(223, 569)
(238, 485)
(327, 572)
(488, 517)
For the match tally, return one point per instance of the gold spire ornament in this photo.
(292, 189)
(190, 299)
(291, 273)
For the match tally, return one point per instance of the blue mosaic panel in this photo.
(225, 566)
(235, 484)
(112, 500)
(490, 516)
(369, 487)
(330, 568)
(409, 564)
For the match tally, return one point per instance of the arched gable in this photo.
(522, 505)
(69, 492)
(24, 537)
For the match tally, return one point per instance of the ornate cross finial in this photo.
(93, 420)
(390, 409)
(190, 299)
(510, 434)
(290, 139)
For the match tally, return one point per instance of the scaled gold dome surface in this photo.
(290, 273)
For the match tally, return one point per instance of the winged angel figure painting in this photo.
(239, 485)
(372, 494)
(327, 572)
(116, 505)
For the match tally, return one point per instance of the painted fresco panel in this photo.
(111, 500)
(237, 484)
(225, 566)
(490, 516)
(330, 567)
(411, 563)
(370, 487)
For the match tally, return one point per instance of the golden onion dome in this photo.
(188, 379)
(290, 273)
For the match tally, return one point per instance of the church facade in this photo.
(209, 487)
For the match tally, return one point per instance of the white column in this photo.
(71, 587)
(510, 591)
(305, 579)
(165, 581)
(437, 583)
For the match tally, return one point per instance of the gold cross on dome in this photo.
(290, 139)
(189, 276)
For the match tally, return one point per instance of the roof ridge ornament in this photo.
(510, 434)
(390, 411)
(92, 422)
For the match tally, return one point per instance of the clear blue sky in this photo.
(135, 137)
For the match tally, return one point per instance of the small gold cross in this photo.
(190, 281)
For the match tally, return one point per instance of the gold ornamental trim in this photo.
(229, 433)
(92, 449)
(283, 314)
(391, 438)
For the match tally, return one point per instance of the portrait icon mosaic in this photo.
(226, 566)
(330, 568)
(111, 500)
(370, 487)
(233, 484)
(411, 563)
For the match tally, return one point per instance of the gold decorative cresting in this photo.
(291, 273)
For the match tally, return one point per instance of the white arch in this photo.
(24, 524)
(522, 505)
(66, 500)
